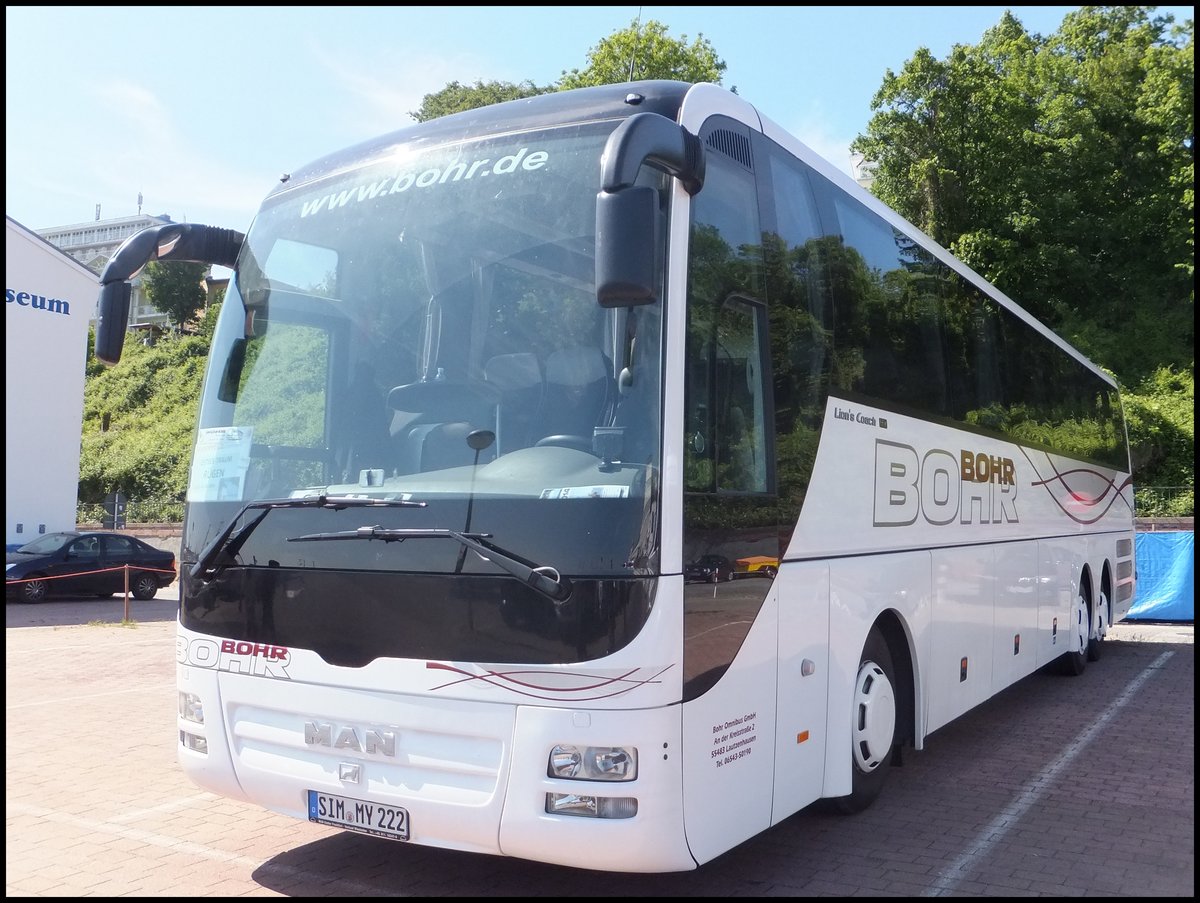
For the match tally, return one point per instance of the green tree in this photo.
(174, 288)
(637, 52)
(457, 97)
(1161, 424)
(646, 51)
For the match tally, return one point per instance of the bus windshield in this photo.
(424, 327)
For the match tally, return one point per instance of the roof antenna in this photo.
(637, 33)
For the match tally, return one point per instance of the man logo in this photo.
(372, 741)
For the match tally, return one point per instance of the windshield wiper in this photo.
(230, 543)
(542, 578)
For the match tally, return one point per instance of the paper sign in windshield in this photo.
(219, 467)
(587, 492)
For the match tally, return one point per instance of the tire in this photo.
(34, 590)
(770, 572)
(1099, 628)
(873, 740)
(1078, 634)
(144, 586)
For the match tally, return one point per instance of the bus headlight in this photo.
(591, 806)
(593, 763)
(194, 742)
(191, 708)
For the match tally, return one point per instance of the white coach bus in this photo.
(602, 477)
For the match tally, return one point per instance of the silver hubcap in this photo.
(874, 717)
(1102, 617)
(1079, 625)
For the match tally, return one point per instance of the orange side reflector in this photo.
(802, 736)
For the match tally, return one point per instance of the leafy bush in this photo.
(139, 419)
(1160, 419)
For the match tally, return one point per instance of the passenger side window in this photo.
(119, 546)
(726, 442)
(726, 438)
(86, 548)
(729, 503)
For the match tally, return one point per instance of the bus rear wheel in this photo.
(873, 731)
(1099, 628)
(1079, 629)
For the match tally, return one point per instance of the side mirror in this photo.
(626, 251)
(112, 320)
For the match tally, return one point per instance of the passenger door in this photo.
(118, 552)
(81, 564)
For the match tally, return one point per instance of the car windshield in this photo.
(51, 542)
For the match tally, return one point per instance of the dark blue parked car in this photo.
(86, 564)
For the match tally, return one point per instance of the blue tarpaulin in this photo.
(1166, 577)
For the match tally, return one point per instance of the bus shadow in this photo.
(372, 866)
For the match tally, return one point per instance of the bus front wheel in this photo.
(873, 731)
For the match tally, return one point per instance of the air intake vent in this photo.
(731, 144)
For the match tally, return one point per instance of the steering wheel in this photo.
(435, 396)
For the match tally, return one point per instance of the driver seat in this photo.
(578, 392)
(518, 377)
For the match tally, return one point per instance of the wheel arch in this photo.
(900, 645)
(1087, 586)
(1106, 587)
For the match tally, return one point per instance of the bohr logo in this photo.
(941, 487)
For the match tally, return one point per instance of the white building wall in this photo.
(49, 299)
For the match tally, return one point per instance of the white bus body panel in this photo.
(964, 609)
(884, 482)
(1061, 561)
(860, 590)
(803, 686)
(1015, 653)
(449, 771)
(472, 741)
(651, 841)
(729, 746)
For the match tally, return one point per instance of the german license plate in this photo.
(358, 815)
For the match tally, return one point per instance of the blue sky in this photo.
(200, 109)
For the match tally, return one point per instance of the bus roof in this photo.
(559, 107)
